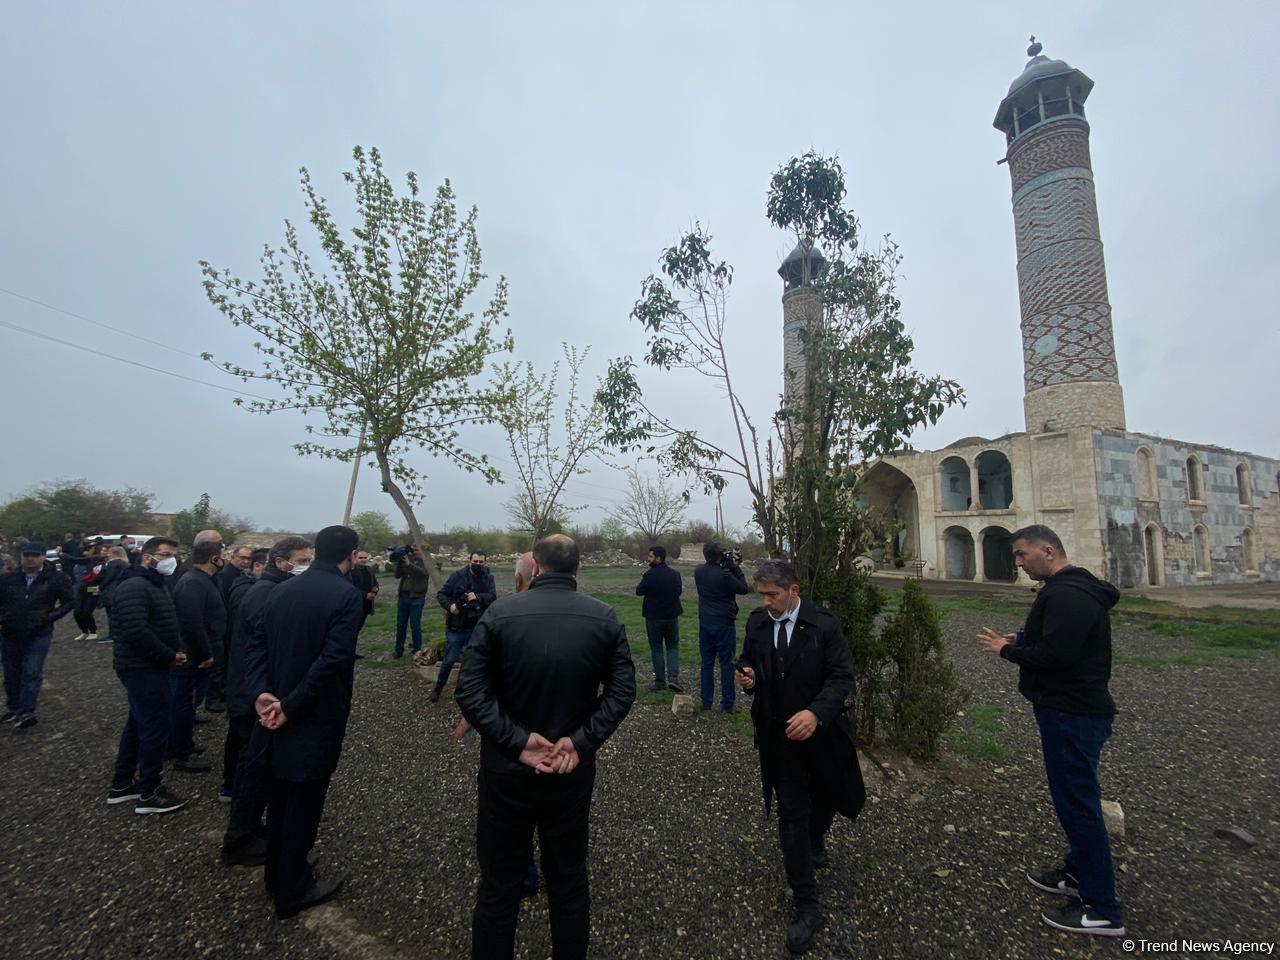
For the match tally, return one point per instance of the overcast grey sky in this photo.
(143, 137)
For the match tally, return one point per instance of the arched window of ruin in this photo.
(995, 480)
(954, 478)
(1146, 474)
(1153, 547)
(960, 562)
(1244, 484)
(1250, 560)
(1195, 479)
(1200, 543)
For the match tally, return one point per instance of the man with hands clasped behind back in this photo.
(547, 679)
(797, 664)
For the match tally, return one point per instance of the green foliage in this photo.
(925, 695)
(857, 602)
(202, 516)
(383, 346)
(375, 530)
(52, 509)
(978, 739)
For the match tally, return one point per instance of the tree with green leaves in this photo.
(203, 516)
(52, 509)
(383, 347)
(375, 530)
(550, 437)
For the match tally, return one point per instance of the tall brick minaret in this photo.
(801, 308)
(1069, 357)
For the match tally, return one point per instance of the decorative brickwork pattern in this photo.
(1069, 346)
(800, 307)
(1071, 271)
(1063, 210)
(1052, 147)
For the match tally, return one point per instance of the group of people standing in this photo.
(547, 678)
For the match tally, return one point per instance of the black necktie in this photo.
(782, 635)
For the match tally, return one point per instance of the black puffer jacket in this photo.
(144, 623)
(536, 663)
(1064, 659)
(32, 611)
(110, 579)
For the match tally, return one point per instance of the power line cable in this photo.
(99, 323)
(132, 363)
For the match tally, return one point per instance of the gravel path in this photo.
(683, 862)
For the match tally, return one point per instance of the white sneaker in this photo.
(91, 636)
(82, 636)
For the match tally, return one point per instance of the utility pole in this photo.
(355, 475)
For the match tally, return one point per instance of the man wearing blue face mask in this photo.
(146, 649)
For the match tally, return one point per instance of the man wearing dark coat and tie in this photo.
(797, 663)
(301, 670)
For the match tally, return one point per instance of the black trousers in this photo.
(511, 806)
(217, 672)
(85, 604)
(247, 777)
(805, 812)
(293, 819)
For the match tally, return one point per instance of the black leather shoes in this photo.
(801, 930)
(251, 854)
(317, 893)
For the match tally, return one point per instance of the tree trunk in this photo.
(406, 508)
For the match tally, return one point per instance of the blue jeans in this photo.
(24, 670)
(183, 685)
(1072, 748)
(454, 641)
(717, 640)
(146, 732)
(664, 648)
(409, 614)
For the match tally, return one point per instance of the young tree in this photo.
(202, 516)
(382, 346)
(548, 448)
(651, 508)
(375, 530)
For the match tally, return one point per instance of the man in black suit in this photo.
(532, 686)
(661, 588)
(362, 579)
(302, 683)
(796, 662)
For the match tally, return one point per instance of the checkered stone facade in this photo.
(1067, 336)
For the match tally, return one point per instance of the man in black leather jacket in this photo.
(532, 686)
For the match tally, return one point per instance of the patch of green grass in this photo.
(1215, 642)
(977, 738)
(987, 605)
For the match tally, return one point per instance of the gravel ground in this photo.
(683, 862)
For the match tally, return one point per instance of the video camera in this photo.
(730, 557)
(399, 553)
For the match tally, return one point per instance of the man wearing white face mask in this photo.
(146, 649)
(797, 663)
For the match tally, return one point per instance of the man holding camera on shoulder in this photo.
(719, 581)
(411, 570)
(465, 596)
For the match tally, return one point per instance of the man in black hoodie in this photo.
(1064, 658)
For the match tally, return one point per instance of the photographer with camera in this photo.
(414, 584)
(719, 581)
(465, 596)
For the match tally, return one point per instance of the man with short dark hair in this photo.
(797, 664)
(202, 622)
(146, 649)
(363, 579)
(411, 569)
(547, 679)
(465, 597)
(246, 775)
(661, 588)
(1063, 653)
(302, 690)
(257, 563)
(32, 599)
(719, 581)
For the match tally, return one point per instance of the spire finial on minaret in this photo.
(1035, 48)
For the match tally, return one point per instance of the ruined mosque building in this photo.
(1136, 509)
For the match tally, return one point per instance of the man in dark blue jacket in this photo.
(146, 649)
(301, 672)
(1064, 664)
(202, 625)
(246, 775)
(719, 581)
(661, 588)
(466, 595)
(32, 600)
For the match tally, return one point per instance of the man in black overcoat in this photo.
(302, 693)
(797, 664)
